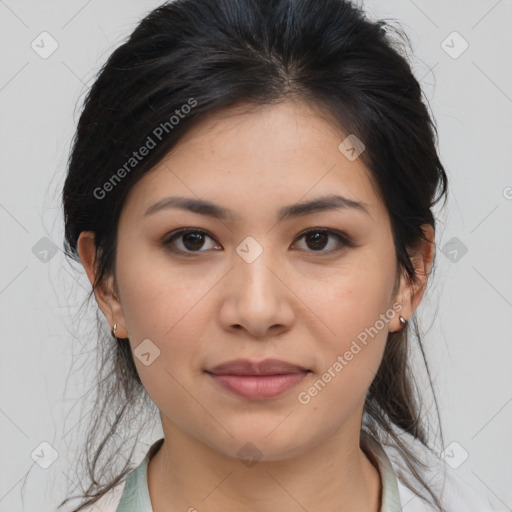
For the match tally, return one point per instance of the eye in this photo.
(318, 239)
(191, 240)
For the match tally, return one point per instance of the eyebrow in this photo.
(202, 207)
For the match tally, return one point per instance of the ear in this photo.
(106, 297)
(409, 295)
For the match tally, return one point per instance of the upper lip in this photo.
(248, 367)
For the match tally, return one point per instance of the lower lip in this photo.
(258, 387)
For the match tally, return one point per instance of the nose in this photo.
(257, 297)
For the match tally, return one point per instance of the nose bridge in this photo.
(255, 297)
(256, 265)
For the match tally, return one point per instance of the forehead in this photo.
(269, 155)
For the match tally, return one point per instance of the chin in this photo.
(264, 442)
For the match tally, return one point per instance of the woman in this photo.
(250, 192)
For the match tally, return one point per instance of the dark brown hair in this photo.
(212, 54)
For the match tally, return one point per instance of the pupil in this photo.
(198, 240)
(318, 238)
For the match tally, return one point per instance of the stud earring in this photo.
(403, 321)
(113, 332)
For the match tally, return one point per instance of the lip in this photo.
(257, 380)
(264, 367)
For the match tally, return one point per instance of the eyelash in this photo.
(343, 240)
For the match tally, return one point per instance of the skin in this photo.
(297, 301)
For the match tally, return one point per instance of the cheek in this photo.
(354, 306)
(169, 308)
(348, 359)
(159, 297)
(352, 301)
(167, 315)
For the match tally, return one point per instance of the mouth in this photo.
(255, 380)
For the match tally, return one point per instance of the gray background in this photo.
(466, 317)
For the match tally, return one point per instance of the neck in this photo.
(186, 474)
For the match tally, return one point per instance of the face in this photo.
(313, 288)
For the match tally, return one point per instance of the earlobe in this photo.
(107, 299)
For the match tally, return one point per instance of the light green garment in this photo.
(135, 497)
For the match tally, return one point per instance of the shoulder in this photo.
(457, 489)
